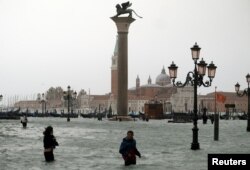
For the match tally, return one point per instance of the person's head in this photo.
(48, 130)
(130, 134)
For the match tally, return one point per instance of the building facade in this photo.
(208, 101)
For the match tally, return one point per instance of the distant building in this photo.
(208, 101)
(36, 105)
(31, 105)
(183, 99)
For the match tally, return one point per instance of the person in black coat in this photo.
(212, 118)
(128, 149)
(24, 121)
(49, 143)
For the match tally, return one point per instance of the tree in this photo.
(54, 93)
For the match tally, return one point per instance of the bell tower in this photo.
(114, 71)
(137, 82)
(149, 80)
(137, 85)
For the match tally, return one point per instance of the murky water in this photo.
(89, 144)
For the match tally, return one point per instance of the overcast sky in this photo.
(46, 43)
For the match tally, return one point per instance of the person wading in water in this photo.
(128, 149)
(49, 143)
(24, 121)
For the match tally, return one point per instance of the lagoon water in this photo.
(88, 144)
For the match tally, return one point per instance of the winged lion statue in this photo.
(124, 9)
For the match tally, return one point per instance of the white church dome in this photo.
(163, 79)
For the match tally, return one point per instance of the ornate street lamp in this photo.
(196, 79)
(247, 93)
(69, 96)
(43, 101)
(1, 98)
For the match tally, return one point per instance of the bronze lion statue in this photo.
(123, 9)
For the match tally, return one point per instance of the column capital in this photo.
(122, 23)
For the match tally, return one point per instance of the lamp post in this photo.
(247, 93)
(1, 98)
(196, 79)
(69, 95)
(43, 101)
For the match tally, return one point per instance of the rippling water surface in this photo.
(90, 144)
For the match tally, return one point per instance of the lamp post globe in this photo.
(202, 67)
(173, 71)
(195, 51)
(237, 87)
(248, 78)
(211, 69)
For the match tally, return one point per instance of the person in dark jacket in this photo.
(212, 118)
(24, 121)
(128, 149)
(49, 143)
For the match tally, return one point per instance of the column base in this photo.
(195, 146)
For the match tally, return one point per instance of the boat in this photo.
(12, 114)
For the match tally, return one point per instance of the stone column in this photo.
(122, 24)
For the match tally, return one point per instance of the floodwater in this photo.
(89, 144)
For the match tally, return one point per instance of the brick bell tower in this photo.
(114, 71)
(137, 86)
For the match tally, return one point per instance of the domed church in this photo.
(162, 87)
(163, 79)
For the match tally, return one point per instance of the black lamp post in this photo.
(69, 96)
(1, 98)
(247, 93)
(43, 101)
(196, 79)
